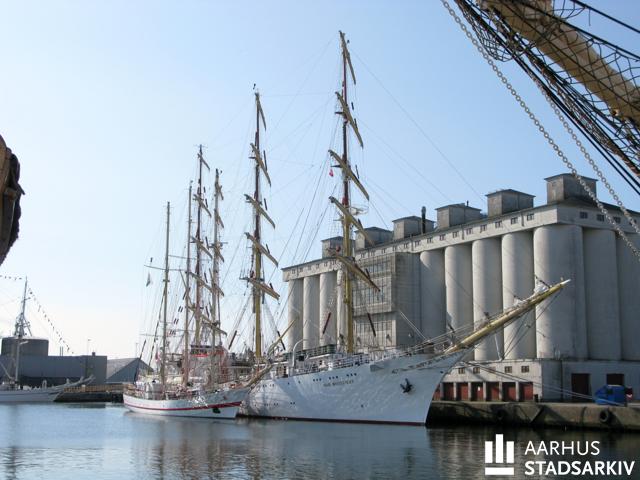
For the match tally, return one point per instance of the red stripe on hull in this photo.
(219, 405)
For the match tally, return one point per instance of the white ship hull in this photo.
(222, 404)
(370, 392)
(33, 395)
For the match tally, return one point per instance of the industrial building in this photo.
(468, 265)
(36, 365)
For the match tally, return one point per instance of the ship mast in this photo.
(216, 291)
(348, 219)
(217, 258)
(163, 371)
(185, 355)
(21, 323)
(255, 277)
(198, 242)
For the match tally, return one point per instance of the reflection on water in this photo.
(74, 441)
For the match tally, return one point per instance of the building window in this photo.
(508, 369)
(524, 369)
(461, 370)
(443, 236)
(483, 228)
(430, 240)
(469, 231)
(498, 224)
(455, 234)
(514, 220)
(530, 216)
(600, 217)
(616, 219)
(476, 369)
(584, 215)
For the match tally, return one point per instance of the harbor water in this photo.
(105, 441)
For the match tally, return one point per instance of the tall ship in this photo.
(337, 382)
(199, 380)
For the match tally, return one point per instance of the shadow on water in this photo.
(38, 441)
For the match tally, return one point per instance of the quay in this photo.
(554, 415)
(92, 393)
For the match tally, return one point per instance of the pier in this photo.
(559, 415)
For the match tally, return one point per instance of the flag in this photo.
(148, 280)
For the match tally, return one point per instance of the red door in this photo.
(526, 392)
(477, 393)
(463, 391)
(509, 391)
(493, 389)
(448, 391)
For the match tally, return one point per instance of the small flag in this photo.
(148, 280)
(331, 172)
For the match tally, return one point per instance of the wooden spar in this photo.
(201, 204)
(353, 220)
(280, 337)
(350, 173)
(505, 317)
(263, 287)
(259, 161)
(262, 248)
(201, 246)
(345, 50)
(353, 267)
(163, 365)
(259, 208)
(349, 118)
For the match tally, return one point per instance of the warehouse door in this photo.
(615, 379)
(477, 392)
(463, 391)
(509, 391)
(493, 390)
(580, 385)
(448, 393)
(526, 392)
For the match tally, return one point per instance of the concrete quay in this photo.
(554, 415)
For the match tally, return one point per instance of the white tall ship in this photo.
(199, 381)
(336, 382)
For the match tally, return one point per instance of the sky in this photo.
(105, 103)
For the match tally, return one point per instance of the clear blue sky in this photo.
(105, 102)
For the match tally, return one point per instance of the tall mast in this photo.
(348, 176)
(198, 302)
(187, 297)
(163, 365)
(217, 258)
(346, 225)
(19, 331)
(255, 278)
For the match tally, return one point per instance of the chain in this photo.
(550, 140)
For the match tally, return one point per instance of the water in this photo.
(60, 441)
